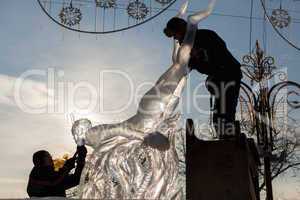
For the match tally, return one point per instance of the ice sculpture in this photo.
(136, 159)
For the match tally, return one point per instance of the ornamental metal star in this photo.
(105, 3)
(70, 15)
(280, 18)
(137, 10)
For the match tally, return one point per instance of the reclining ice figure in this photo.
(136, 159)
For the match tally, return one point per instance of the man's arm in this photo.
(213, 58)
(200, 60)
(73, 180)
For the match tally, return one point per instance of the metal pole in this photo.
(268, 178)
(267, 144)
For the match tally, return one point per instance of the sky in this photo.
(102, 78)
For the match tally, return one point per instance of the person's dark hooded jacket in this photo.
(44, 181)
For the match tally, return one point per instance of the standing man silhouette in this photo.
(210, 56)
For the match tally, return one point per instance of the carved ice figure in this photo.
(136, 159)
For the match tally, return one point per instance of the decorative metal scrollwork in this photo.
(267, 106)
(293, 103)
(258, 67)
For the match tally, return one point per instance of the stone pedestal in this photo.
(221, 170)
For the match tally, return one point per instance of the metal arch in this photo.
(246, 87)
(282, 85)
(103, 32)
(277, 87)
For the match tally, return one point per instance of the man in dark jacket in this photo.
(210, 56)
(45, 182)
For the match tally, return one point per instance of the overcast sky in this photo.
(30, 41)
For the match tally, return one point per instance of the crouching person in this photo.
(44, 181)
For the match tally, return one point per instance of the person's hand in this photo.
(70, 163)
(82, 151)
(81, 154)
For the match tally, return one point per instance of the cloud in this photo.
(30, 92)
(12, 188)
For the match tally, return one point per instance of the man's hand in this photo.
(70, 163)
(81, 151)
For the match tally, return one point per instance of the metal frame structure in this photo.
(261, 104)
(275, 27)
(164, 8)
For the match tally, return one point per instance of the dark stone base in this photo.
(221, 170)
